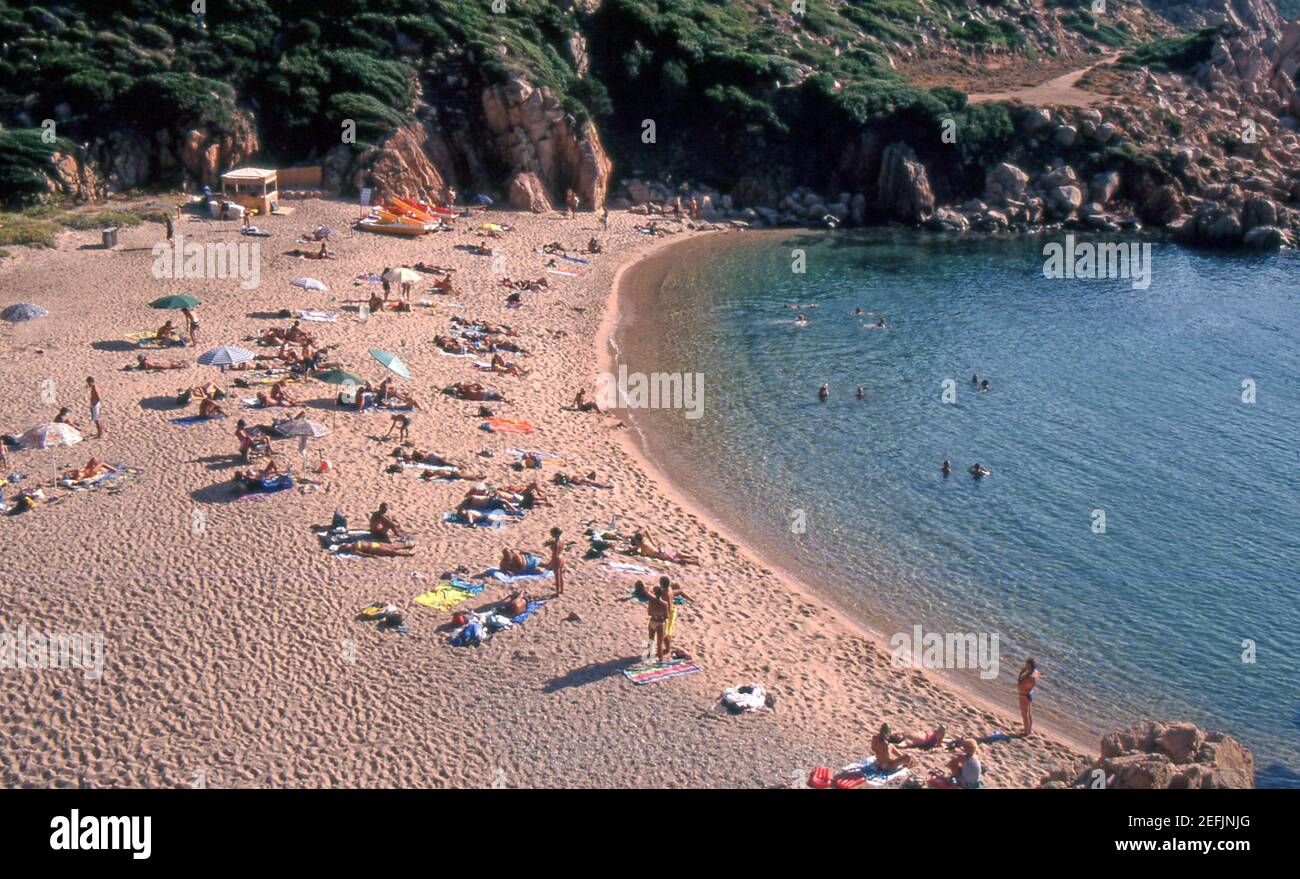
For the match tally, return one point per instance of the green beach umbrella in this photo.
(392, 362)
(174, 302)
(340, 377)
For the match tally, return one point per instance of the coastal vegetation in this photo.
(717, 77)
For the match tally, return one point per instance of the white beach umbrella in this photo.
(226, 355)
(309, 284)
(23, 311)
(303, 427)
(49, 434)
(402, 275)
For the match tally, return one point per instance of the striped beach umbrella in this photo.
(226, 355)
(392, 362)
(309, 284)
(51, 433)
(175, 302)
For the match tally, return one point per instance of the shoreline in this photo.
(634, 444)
(234, 650)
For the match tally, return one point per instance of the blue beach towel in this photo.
(498, 574)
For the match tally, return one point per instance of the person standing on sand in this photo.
(191, 325)
(571, 200)
(557, 559)
(171, 230)
(604, 218)
(1025, 687)
(658, 609)
(95, 403)
(670, 595)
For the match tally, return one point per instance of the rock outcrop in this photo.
(528, 193)
(532, 133)
(903, 189)
(1161, 756)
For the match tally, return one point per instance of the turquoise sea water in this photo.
(1104, 397)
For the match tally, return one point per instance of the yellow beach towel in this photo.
(443, 597)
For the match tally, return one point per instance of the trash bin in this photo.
(110, 237)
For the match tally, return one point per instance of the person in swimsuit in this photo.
(670, 594)
(382, 525)
(1025, 684)
(515, 604)
(946, 469)
(95, 403)
(94, 467)
(888, 757)
(932, 739)
(645, 546)
(824, 392)
(377, 549)
(556, 563)
(658, 610)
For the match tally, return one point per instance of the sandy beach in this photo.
(232, 653)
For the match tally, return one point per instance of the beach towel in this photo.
(103, 480)
(444, 596)
(440, 471)
(660, 671)
(561, 272)
(325, 317)
(629, 568)
(149, 339)
(875, 777)
(533, 606)
(498, 574)
(492, 519)
(507, 425)
(187, 420)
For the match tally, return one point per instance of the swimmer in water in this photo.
(985, 386)
(975, 379)
(881, 324)
(862, 393)
(858, 310)
(824, 392)
(801, 320)
(979, 471)
(946, 469)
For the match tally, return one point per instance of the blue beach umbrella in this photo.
(392, 362)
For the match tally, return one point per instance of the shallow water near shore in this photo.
(1104, 398)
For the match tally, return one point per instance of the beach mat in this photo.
(660, 671)
(874, 776)
(444, 597)
(498, 574)
(187, 420)
(507, 425)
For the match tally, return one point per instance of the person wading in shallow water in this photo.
(1025, 688)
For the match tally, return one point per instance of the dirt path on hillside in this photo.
(1063, 89)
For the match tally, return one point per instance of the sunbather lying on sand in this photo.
(515, 604)
(514, 561)
(499, 365)
(532, 494)
(144, 362)
(94, 467)
(924, 741)
(474, 391)
(645, 546)
(888, 757)
(588, 480)
(390, 395)
(269, 473)
(483, 326)
(376, 549)
(482, 498)
(452, 345)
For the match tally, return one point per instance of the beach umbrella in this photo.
(482, 199)
(392, 362)
(309, 284)
(49, 434)
(303, 427)
(22, 311)
(402, 275)
(175, 302)
(226, 355)
(340, 377)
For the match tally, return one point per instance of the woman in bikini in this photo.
(658, 610)
(1025, 684)
(645, 546)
